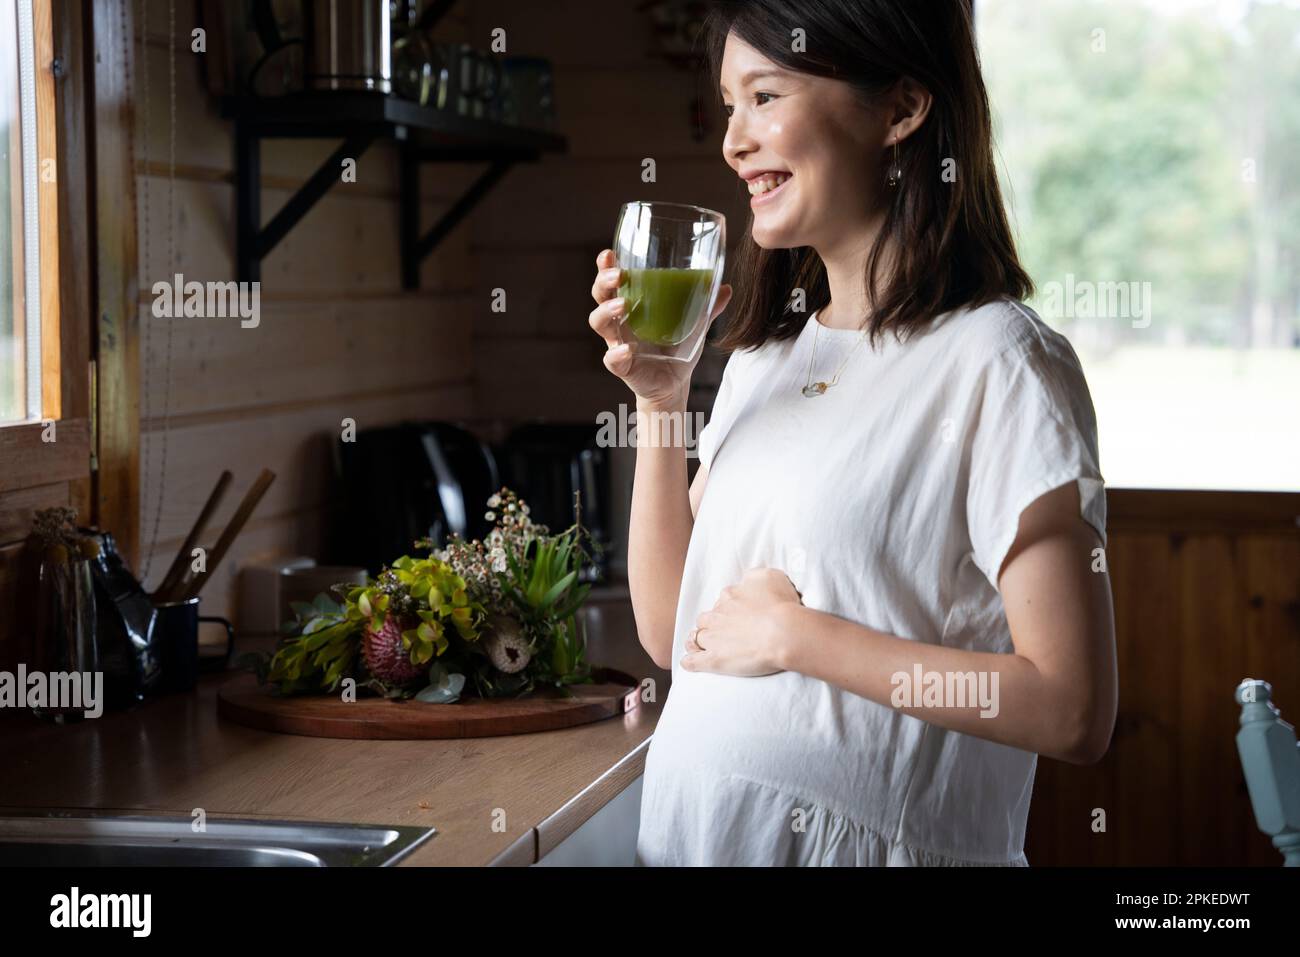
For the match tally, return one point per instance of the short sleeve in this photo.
(1036, 431)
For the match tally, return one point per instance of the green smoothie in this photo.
(663, 305)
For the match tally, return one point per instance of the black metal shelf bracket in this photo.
(253, 240)
(415, 248)
(422, 135)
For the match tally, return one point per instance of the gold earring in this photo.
(895, 171)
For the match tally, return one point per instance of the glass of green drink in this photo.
(671, 256)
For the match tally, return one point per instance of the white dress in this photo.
(890, 500)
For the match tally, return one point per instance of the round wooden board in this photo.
(328, 716)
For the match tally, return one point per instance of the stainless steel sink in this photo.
(97, 839)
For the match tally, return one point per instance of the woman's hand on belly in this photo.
(740, 634)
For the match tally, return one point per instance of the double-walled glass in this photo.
(672, 257)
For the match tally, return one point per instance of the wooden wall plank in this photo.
(1148, 621)
(1207, 666)
(76, 314)
(590, 96)
(17, 508)
(297, 445)
(117, 489)
(561, 380)
(1190, 510)
(307, 352)
(532, 28)
(27, 459)
(547, 287)
(342, 248)
(534, 204)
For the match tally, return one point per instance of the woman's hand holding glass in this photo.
(656, 384)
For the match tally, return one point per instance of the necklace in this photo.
(812, 388)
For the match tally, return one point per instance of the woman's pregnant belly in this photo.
(790, 732)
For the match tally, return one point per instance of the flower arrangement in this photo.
(498, 615)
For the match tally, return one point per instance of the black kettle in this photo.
(124, 627)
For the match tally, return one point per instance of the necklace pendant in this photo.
(813, 389)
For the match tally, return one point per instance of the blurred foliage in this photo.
(1124, 130)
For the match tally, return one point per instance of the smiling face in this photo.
(813, 131)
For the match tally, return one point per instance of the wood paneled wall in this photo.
(338, 338)
(537, 235)
(1201, 602)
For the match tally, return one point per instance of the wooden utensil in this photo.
(163, 593)
(233, 528)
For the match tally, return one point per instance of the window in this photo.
(1148, 150)
(20, 291)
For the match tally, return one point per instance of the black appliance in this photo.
(124, 627)
(405, 482)
(547, 463)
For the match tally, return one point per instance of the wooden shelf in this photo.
(343, 113)
(425, 135)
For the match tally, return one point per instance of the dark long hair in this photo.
(953, 245)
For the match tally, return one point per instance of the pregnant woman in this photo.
(884, 593)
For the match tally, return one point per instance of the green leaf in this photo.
(576, 598)
(556, 590)
(560, 656)
(513, 564)
(309, 643)
(316, 624)
(322, 604)
(536, 581)
(462, 620)
(336, 669)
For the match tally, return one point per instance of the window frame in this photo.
(40, 235)
(31, 460)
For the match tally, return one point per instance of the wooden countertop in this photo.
(500, 800)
